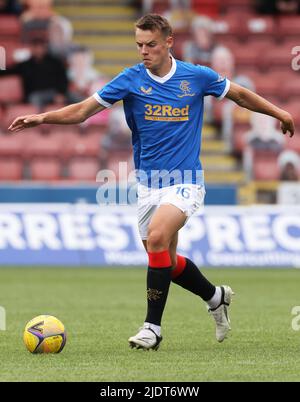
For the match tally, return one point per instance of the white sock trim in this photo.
(216, 299)
(155, 328)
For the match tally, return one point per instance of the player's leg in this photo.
(221, 298)
(165, 222)
(189, 198)
(187, 275)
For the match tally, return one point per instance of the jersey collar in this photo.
(164, 79)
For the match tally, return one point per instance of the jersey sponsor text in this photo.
(166, 113)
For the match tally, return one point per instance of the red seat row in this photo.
(49, 169)
(61, 144)
(248, 24)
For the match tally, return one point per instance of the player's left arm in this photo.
(250, 100)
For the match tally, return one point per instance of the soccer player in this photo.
(163, 103)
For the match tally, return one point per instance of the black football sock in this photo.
(158, 283)
(187, 275)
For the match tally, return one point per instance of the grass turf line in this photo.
(101, 308)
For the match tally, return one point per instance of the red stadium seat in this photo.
(265, 166)
(83, 169)
(237, 3)
(46, 169)
(114, 160)
(291, 88)
(229, 25)
(290, 43)
(10, 26)
(11, 169)
(98, 119)
(93, 130)
(232, 25)
(51, 107)
(248, 55)
(11, 145)
(293, 108)
(277, 86)
(262, 43)
(71, 143)
(294, 142)
(11, 89)
(160, 6)
(239, 138)
(85, 145)
(14, 51)
(267, 85)
(177, 49)
(210, 8)
(250, 72)
(43, 145)
(289, 26)
(229, 41)
(241, 118)
(8, 45)
(261, 26)
(14, 111)
(278, 56)
(59, 128)
(66, 130)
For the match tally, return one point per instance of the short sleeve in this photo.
(115, 90)
(215, 84)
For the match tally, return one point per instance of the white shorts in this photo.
(187, 197)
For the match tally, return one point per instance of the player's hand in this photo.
(25, 122)
(287, 124)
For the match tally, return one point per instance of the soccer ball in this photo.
(44, 334)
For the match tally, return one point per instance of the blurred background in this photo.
(60, 51)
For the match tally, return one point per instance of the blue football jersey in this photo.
(165, 115)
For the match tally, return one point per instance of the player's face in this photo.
(153, 48)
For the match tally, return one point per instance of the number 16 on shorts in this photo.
(185, 192)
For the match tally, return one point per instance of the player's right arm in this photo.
(72, 114)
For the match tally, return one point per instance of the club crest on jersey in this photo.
(147, 91)
(185, 88)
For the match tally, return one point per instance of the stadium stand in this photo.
(83, 169)
(15, 110)
(83, 144)
(11, 91)
(45, 169)
(11, 146)
(10, 27)
(289, 27)
(265, 165)
(44, 145)
(261, 46)
(11, 169)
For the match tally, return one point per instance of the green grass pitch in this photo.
(101, 308)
